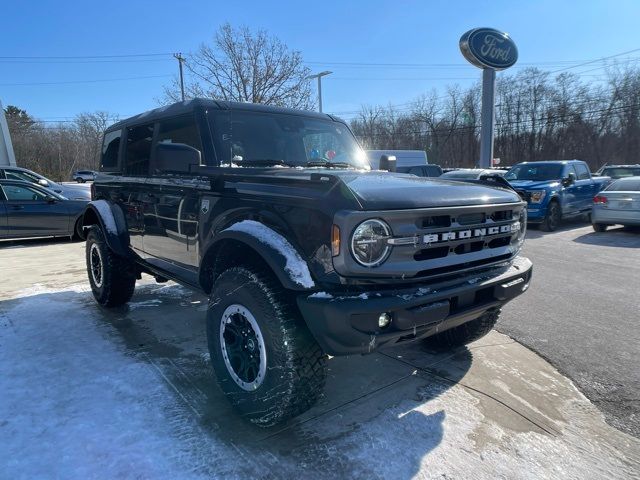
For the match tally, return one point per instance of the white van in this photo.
(404, 158)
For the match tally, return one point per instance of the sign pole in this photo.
(487, 117)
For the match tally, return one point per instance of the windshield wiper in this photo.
(328, 164)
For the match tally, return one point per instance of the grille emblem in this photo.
(442, 237)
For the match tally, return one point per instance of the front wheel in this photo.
(465, 333)
(112, 278)
(80, 180)
(265, 360)
(552, 218)
(599, 227)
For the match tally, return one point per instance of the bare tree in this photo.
(246, 67)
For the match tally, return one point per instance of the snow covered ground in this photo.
(129, 393)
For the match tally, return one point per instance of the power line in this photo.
(75, 82)
(597, 60)
(68, 57)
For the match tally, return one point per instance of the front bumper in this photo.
(345, 325)
(536, 213)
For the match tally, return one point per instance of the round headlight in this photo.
(369, 243)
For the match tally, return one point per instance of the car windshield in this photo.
(258, 139)
(620, 172)
(462, 174)
(541, 172)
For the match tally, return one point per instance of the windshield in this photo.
(620, 172)
(255, 138)
(462, 174)
(625, 185)
(541, 172)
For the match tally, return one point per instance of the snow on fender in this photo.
(295, 266)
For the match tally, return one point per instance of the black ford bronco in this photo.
(303, 251)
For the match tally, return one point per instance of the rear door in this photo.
(30, 214)
(585, 187)
(171, 214)
(571, 193)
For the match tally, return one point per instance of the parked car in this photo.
(71, 192)
(28, 210)
(471, 173)
(618, 203)
(404, 158)
(82, 176)
(555, 190)
(303, 256)
(430, 170)
(619, 171)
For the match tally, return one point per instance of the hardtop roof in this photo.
(188, 106)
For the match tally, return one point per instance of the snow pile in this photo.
(296, 267)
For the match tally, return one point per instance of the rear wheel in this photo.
(80, 180)
(265, 359)
(112, 278)
(465, 333)
(552, 218)
(599, 227)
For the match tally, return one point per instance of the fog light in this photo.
(384, 319)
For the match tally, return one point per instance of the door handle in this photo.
(17, 207)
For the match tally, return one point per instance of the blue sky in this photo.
(548, 33)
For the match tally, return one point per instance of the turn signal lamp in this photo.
(335, 241)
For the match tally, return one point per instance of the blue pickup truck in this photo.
(555, 189)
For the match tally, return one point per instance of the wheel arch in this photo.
(111, 220)
(234, 247)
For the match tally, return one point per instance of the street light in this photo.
(319, 77)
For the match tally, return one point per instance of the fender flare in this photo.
(112, 222)
(282, 258)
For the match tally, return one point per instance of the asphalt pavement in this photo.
(582, 313)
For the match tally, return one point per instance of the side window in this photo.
(417, 171)
(20, 193)
(110, 149)
(569, 169)
(138, 150)
(180, 130)
(583, 171)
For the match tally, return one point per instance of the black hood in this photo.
(387, 191)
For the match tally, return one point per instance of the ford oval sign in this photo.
(489, 48)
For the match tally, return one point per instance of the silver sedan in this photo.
(619, 203)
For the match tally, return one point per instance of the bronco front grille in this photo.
(431, 242)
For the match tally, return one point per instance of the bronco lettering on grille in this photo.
(441, 237)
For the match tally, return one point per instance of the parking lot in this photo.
(128, 393)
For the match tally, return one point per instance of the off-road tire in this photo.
(117, 280)
(295, 364)
(552, 218)
(599, 227)
(465, 333)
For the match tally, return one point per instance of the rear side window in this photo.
(138, 152)
(583, 171)
(110, 149)
(180, 130)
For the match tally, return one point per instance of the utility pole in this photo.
(180, 58)
(319, 77)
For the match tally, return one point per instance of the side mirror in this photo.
(388, 162)
(43, 182)
(569, 180)
(50, 199)
(175, 158)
